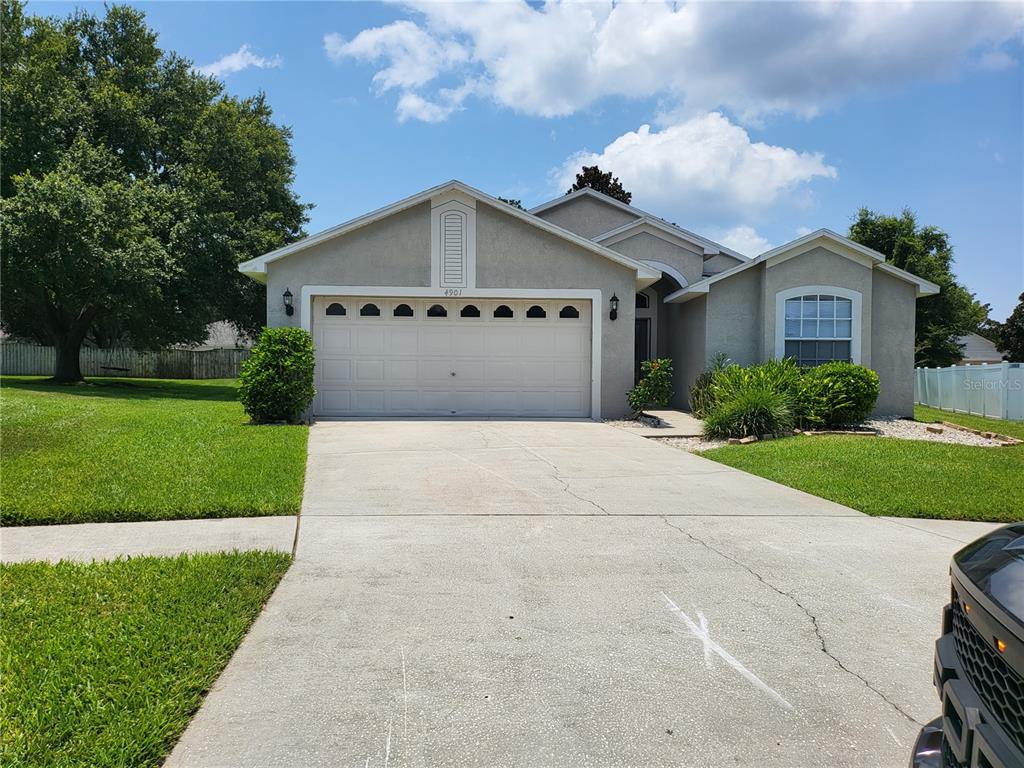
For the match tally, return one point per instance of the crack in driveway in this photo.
(813, 619)
(564, 481)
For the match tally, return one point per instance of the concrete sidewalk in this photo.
(102, 541)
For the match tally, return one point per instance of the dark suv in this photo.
(979, 660)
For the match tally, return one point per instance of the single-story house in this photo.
(452, 302)
(977, 350)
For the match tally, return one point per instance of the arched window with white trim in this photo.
(818, 324)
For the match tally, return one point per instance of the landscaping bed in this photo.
(141, 449)
(103, 664)
(1015, 429)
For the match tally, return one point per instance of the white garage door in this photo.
(465, 357)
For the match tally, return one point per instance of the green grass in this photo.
(982, 423)
(103, 664)
(883, 476)
(140, 449)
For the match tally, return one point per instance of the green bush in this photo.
(751, 409)
(701, 400)
(654, 387)
(276, 383)
(838, 394)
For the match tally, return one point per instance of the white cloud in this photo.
(413, 56)
(801, 231)
(706, 164)
(746, 240)
(996, 59)
(751, 58)
(241, 59)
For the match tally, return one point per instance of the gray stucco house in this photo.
(451, 302)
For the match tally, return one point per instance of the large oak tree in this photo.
(132, 187)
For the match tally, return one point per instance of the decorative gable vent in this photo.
(453, 249)
(453, 243)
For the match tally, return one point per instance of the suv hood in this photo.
(995, 564)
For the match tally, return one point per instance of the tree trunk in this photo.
(68, 369)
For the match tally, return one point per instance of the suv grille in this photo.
(999, 687)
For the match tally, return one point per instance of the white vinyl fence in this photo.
(985, 390)
(18, 359)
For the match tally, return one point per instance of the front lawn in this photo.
(982, 423)
(140, 449)
(103, 664)
(885, 476)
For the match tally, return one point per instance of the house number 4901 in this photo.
(452, 291)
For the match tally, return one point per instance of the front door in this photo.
(642, 345)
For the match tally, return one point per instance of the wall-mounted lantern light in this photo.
(289, 308)
(615, 307)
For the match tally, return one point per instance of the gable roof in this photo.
(257, 267)
(846, 247)
(711, 248)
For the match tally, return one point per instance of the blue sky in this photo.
(763, 121)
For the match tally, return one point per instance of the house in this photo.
(977, 349)
(451, 302)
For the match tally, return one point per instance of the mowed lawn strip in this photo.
(103, 664)
(981, 423)
(885, 476)
(141, 449)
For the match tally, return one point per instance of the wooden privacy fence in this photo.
(18, 359)
(985, 390)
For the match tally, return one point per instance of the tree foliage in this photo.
(1011, 334)
(592, 176)
(132, 187)
(515, 203)
(925, 251)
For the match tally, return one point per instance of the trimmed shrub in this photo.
(701, 399)
(838, 394)
(276, 383)
(751, 409)
(654, 387)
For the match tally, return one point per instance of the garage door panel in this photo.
(436, 401)
(568, 372)
(336, 400)
(469, 341)
(335, 341)
(504, 373)
(369, 371)
(569, 341)
(369, 340)
(368, 401)
(404, 401)
(335, 371)
(404, 341)
(537, 342)
(436, 373)
(435, 341)
(503, 340)
(539, 373)
(469, 372)
(402, 371)
(519, 366)
(504, 402)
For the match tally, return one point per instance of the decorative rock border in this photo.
(1006, 440)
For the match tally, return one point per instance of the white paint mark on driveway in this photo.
(701, 633)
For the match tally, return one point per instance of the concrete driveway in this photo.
(568, 594)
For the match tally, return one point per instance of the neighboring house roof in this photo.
(978, 349)
(711, 248)
(842, 245)
(257, 267)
